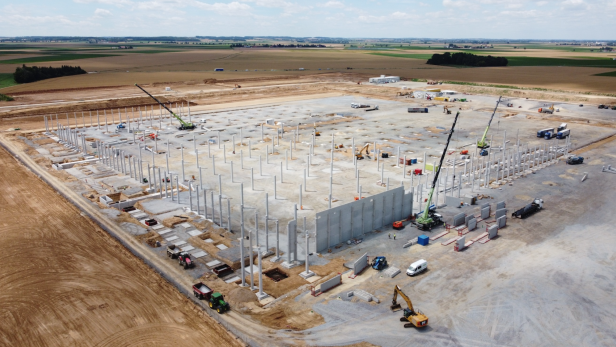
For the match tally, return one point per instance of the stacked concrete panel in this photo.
(342, 223)
(468, 218)
(501, 212)
(331, 283)
(492, 231)
(459, 219)
(485, 213)
(501, 222)
(391, 272)
(472, 224)
(500, 204)
(362, 294)
(460, 242)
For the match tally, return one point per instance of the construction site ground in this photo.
(545, 280)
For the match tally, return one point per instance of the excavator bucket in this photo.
(395, 307)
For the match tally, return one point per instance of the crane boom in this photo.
(482, 143)
(185, 125)
(425, 219)
(394, 301)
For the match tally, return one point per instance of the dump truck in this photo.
(201, 291)
(529, 209)
(222, 270)
(379, 263)
(173, 251)
(415, 317)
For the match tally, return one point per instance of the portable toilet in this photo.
(423, 240)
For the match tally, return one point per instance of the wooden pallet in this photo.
(450, 241)
(481, 236)
(438, 236)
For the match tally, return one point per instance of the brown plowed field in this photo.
(66, 282)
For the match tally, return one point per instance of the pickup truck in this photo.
(202, 291)
(173, 251)
(222, 270)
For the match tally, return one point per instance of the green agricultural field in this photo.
(410, 56)
(57, 57)
(6, 80)
(608, 74)
(536, 61)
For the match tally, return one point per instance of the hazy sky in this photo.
(514, 19)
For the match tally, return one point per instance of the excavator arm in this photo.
(394, 302)
(482, 143)
(185, 125)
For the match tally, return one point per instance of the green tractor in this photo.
(218, 303)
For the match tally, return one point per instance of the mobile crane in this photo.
(430, 219)
(482, 143)
(184, 125)
(416, 318)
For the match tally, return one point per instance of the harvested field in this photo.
(82, 287)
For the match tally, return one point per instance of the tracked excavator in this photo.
(183, 125)
(482, 143)
(359, 154)
(429, 218)
(415, 317)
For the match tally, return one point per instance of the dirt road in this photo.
(67, 282)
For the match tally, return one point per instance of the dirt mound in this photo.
(173, 221)
(241, 295)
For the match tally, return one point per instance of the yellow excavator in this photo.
(366, 148)
(416, 318)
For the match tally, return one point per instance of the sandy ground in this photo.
(68, 283)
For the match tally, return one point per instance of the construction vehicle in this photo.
(218, 303)
(446, 110)
(399, 225)
(563, 134)
(185, 260)
(201, 291)
(509, 105)
(317, 133)
(482, 143)
(575, 160)
(150, 222)
(184, 125)
(356, 105)
(549, 135)
(153, 136)
(541, 133)
(614, 108)
(121, 126)
(404, 93)
(376, 107)
(165, 179)
(145, 180)
(429, 218)
(416, 318)
(602, 107)
(379, 263)
(549, 110)
(529, 209)
(222, 270)
(238, 86)
(173, 251)
(483, 152)
(366, 148)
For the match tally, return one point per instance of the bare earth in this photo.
(76, 286)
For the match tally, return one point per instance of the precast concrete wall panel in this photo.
(461, 241)
(485, 213)
(468, 218)
(502, 221)
(388, 209)
(346, 231)
(360, 264)
(500, 204)
(356, 218)
(472, 224)
(492, 231)
(331, 283)
(378, 211)
(501, 212)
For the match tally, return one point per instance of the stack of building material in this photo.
(391, 271)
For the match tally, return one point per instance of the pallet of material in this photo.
(484, 234)
(438, 236)
(450, 241)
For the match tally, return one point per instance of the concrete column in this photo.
(243, 272)
(231, 171)
(177, 185)
(250, 257)
(214, 165)
(277, 241)
(149, 177)
(228, 215)
(266, 224)
(357, 183)
(261, 294)
(220, 209)
(257, 228)
(281, 181)
(275, 196)
(233, 142)
(212, 202)
(301, 206)
(190, 195)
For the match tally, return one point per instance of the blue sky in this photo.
(513, 19)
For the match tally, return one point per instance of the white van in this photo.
(417, 267)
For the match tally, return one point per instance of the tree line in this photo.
(27, 74)
(466, 59)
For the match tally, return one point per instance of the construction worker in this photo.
(389, 235)
(394, 236)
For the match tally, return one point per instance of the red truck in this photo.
(202, 291)
(222, 270)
